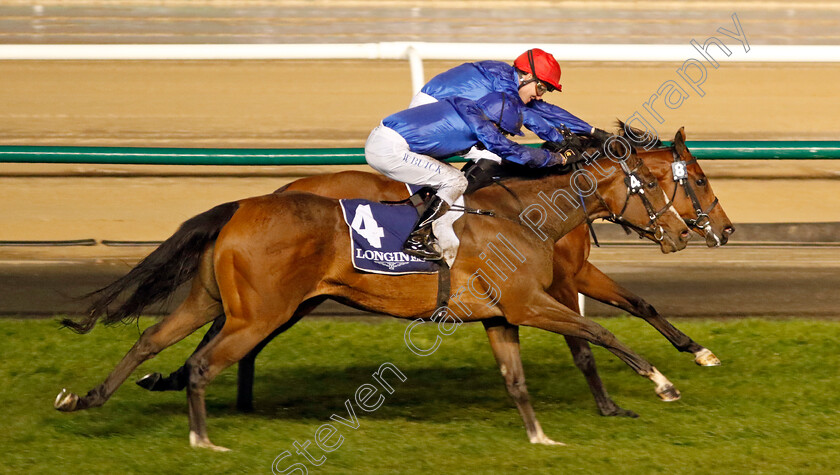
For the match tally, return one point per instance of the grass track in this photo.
(773, 407)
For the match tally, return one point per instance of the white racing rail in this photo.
(416, 52)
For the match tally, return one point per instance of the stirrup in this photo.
(422, 244)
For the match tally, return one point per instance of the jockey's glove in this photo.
(565, 157)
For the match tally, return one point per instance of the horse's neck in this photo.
(658, 155)
(551, 195)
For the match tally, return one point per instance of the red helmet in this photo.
(541, 64)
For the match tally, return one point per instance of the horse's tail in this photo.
(158, 275)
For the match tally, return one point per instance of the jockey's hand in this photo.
(600, 135)
(565, 157)
(569, 151)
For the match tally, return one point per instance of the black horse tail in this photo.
(158, 275)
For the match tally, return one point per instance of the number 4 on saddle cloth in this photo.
(378, 231)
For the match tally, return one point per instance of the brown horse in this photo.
(263, 262)
(573, 273)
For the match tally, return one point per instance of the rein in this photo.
(634, 187)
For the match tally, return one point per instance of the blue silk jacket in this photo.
(445, 128)
(476, 80)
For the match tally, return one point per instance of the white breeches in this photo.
(388, 153)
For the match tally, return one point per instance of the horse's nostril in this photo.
(685, 235)
(728, 230)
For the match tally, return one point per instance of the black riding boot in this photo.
(421, 242)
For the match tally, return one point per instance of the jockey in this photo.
(533, 73)
(408, 146)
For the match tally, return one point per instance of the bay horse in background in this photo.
(264, 262)
(692, 197)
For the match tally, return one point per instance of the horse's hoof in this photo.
(543, 440)
(668, 393)
(66, 402)
(149, 381)
(705, 357)
(619, 412)
(205, 443)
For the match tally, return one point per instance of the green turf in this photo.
(771, 408)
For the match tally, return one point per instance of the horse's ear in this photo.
(679, 142)
(621, 148)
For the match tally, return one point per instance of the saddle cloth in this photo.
(377, 234)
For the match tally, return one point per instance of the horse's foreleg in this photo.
(504, 340)
(546, 313)
(565, 292)
(195, 311)
(585, 362)
(595, 284)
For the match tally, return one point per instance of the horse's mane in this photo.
(637, 137)
(510, 170)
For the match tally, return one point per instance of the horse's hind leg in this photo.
(504, 340)
(195, 311)
(254, 309)
(245, 372)
(238, 337)
(178, 379)
(594, 283)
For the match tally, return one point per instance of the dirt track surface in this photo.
(334, 104)
(697, 282)
(337, 103)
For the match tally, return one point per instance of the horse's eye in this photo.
(701, 182)
(652, 185)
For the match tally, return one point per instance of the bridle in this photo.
(679, 169)
(637, 188)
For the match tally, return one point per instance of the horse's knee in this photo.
(583, 358)
(515, 384)
(517, 390)
(599, 335)
(644, 309)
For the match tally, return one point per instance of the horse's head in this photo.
(698, 205)
(633, 198)
(682, 179)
